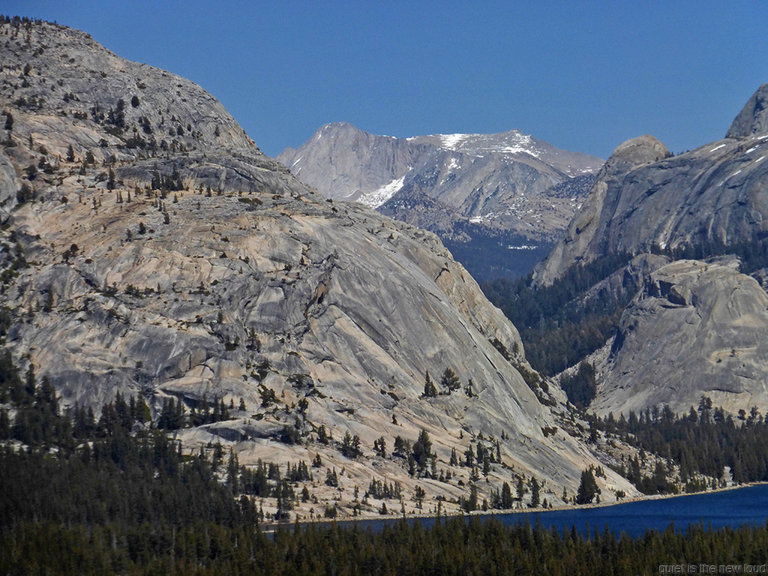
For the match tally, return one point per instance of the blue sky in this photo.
(581, 75)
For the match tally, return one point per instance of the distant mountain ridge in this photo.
(464, 187)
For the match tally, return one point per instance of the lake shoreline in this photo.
(370, 519)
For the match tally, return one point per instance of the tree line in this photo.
(122, 497)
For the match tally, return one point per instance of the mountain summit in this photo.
(478, 192)
(753, 118)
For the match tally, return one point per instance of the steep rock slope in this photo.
(191, 266)
(465, 187)
(695, 329)
(645, 199)
(753, 118)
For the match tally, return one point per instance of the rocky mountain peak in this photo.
(81, 88)
(483, 194)
(753, 118)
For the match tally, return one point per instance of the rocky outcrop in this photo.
(203, 269)
(694, 329)
(753, 118)
(586, 233)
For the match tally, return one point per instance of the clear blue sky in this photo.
(581, 75)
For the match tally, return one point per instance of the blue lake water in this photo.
(733, 508)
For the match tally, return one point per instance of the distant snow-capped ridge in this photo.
(456, 185)
(512, 142)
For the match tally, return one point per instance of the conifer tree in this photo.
(506, 496)
(430, 390)
(450, 381)
(535, 493)
(587, 488)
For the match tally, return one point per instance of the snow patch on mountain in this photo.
(519, 150)
(452, 141)
(380, 195)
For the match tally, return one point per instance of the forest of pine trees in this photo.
(557, 326)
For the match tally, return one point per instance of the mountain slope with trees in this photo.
(150, 249)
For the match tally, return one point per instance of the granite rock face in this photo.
(200, 268)
(753, 118)
(712, 195)
(694, 329)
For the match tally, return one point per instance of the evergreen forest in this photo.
(117, 495)
(701, 443)
(559, 324)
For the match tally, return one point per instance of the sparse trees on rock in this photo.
(350, 446)
(450, 381)
(380, 447)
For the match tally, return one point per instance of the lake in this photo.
(734, 508)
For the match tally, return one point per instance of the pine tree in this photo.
(534, 493)
(232, 472)
(430, 390)
(422, 449)
(506, 496)
(450, 380)
(587, 488)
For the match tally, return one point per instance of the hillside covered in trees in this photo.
(117, 495)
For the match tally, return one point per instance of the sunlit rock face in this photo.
(645, 199)
(694, 329)
(508, 193)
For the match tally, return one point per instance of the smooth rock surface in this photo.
(695, 329)
(648, 201)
